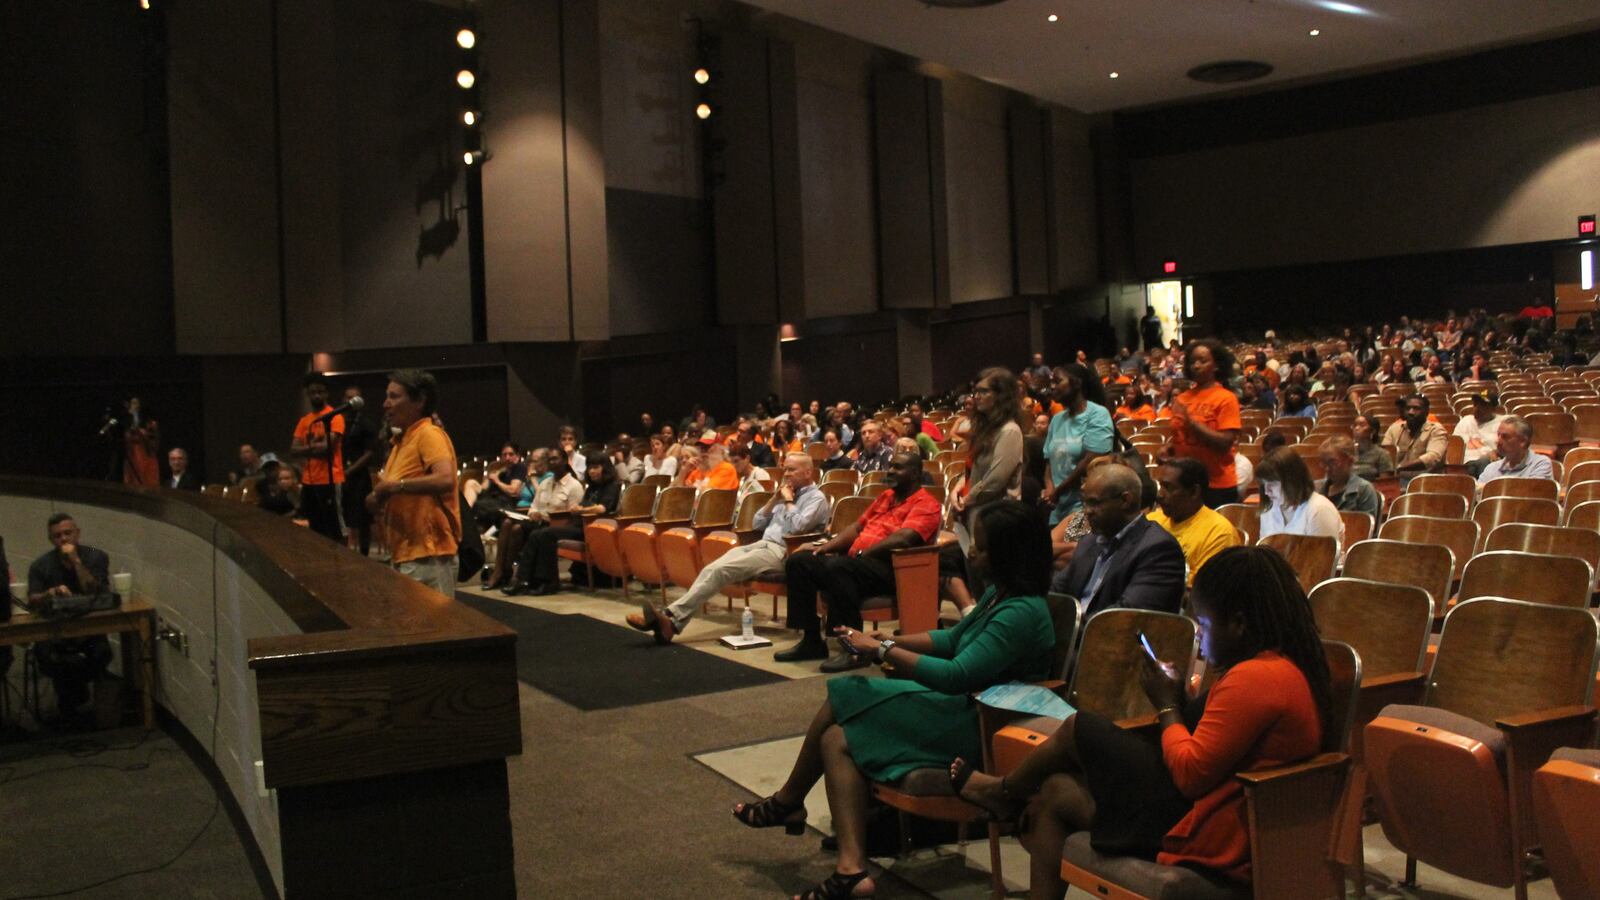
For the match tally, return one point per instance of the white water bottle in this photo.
(747, 623)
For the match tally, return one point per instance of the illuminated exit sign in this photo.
(1586, 226)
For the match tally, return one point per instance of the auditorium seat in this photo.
(1537, 488)
(1566, 794)
(1460, 535)
(1583, 515)
(1244, 516)
(837, 490)
(1554, 433)
(1583, 543)
(1495, 512)
(1439, 483)
(1312, 557)
(1438, 506)
(1302, 828)
(678, 548)
(847, 476)
(1430, 567)
(1534, 577)
(1510, 682)
(845, 513)
(1358, 526)
(1389, 626)
(600, 540)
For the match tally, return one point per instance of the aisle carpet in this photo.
(595, 665)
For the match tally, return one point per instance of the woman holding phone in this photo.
(1175, 800)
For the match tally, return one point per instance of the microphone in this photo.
(354, 404)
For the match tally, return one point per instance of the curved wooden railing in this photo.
(388, 688)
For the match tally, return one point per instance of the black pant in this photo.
(72, 665)
(537, 562)
(847, 581)
(320, 505)
(491, 507)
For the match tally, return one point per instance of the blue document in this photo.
(1029, 699)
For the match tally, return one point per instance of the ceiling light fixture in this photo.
(1315, 31)
(1116, 75)
(703, 111)
(466, 79)
(1052, 18)
(702, 76)
(466, 39)
(469, 118)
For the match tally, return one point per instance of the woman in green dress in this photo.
(880, 729)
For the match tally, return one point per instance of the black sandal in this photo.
(960, 772)
(839, 886)
(772, 812)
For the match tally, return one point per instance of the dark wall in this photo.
(963, 348)
(662, 381)
(859, 366)
(86, 251)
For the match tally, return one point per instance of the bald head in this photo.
(1111, 496)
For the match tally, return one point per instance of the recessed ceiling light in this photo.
(1339, 6)
(1115, 75)
(1051, 18)
(1315, 31)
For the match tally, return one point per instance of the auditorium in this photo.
(808, 448)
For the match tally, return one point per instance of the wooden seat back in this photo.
(871, 491)
(1499, 657)
(1440, 483)
(1427, 567)
(1438, 506)
(1388, 624)
(1358, 526)
(1538, 488)
(837, 490)
(1583, 515)
(1110, 650)
(1524, 537)
(1243, 516)
(1553, 429)
(745, 518)
(1460, 535)
(600, 536)
(674, 505)
(848, 476)
(637, 501)
(1534, 577)
(660, 482)
(1312, 557)
(1497, 511)
(846, 512)
(1067, 618)
(714, 509)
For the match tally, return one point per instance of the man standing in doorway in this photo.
(416, 492)
(317, 439)
(1150, 329)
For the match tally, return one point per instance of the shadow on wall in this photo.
(430, 141)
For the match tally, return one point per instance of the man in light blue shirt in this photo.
(797, 507)
(1512, 441)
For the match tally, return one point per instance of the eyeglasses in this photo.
(982, 390)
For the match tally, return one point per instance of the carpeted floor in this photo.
(597, 665)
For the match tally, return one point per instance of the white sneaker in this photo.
(493, 530)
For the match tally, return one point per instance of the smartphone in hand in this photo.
(1149, 650)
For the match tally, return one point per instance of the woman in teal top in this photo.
(1078, 435)
(880, 729)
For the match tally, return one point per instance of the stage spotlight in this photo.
(703, 110)
(466, 79)
(702, 76)
(469, 118)
(466, 39)
(471, 157)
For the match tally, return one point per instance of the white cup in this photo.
(122, 582)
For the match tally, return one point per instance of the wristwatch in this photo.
(883, 650)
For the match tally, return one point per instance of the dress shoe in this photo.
(844, 662)
(807, 649)
(546, 589)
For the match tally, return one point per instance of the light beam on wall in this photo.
(1586, 270)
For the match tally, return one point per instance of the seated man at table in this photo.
(854, 564)
(1127, 560)
(1514, 459)
(796, 508)
(70, 568)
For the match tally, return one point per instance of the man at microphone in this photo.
(317, 439)
(71, 664)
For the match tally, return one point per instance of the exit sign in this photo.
(1586, 226)
(1171, 265)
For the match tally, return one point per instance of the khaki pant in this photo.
(437, 572)
(738, 564)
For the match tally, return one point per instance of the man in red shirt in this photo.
(316, 441)
(854, 564)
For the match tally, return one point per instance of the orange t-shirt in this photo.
(420, 526)
(1259, 714)
(1145, 412)
(1218, 409)
(724, 477)
(316, 468)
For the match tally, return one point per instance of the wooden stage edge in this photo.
(384, 724)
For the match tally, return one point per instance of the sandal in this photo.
(960, 772)
(772, 812)
(838, 886)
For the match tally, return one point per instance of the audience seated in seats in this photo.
(567, 440)
(710, 469)
(1290, 503)
(797, 507)
(1513, 459)
(1372, 460)
(630, 468)
(498, 491)
(557, 491)
(961, 428)
(661, 460)
(181, 478)
(874, 453)
(903, 427)
(1135, 405)
(920, 425)
(1207, 420)
(1348, 491)
(752, 478)
(837, 421)
(1079, 434)
(249, 470)
(748, 435)
(1297, 402)
(279, 493)
(881, 729)
(536, 563)
(1126, 560)
(1202, 532)
(1037, 368)
(697, 422)
(835, 458)
(854, 564)
(907, 445)
(1419, 441)
(1175, 800)
(71, 664)
(784, 439)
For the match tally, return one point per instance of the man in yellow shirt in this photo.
(1202, 532)
(415, 494)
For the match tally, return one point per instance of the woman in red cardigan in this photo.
(1176, 801)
